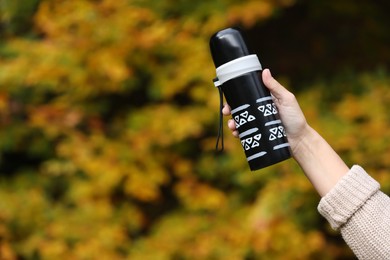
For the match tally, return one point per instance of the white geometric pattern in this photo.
(268, 109)
(276, 133)
(243, 118)
(251, 142)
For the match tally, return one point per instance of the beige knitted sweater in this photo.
(357, 208)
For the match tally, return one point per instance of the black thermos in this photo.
(239, 76)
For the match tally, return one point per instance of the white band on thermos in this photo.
(236, 68)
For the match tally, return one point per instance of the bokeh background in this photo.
(108, 120)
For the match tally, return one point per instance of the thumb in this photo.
(276, 89)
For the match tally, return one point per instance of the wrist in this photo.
(299, 143)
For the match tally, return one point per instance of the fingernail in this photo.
(270, 72)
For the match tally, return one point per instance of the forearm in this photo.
(319, 161)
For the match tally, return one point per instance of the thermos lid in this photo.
(227, 45)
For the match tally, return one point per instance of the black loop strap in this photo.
(220, 130)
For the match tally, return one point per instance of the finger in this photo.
(231, 125)
(226, 110)
(277, 90)
(235, 133)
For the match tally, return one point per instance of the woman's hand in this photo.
(318, 160)
(290, 113)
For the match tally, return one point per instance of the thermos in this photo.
(261, 132)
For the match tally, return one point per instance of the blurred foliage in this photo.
(107, 127)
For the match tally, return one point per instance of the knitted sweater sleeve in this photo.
(361, 212)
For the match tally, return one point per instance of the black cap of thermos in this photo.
(227, 45)
(256, 117)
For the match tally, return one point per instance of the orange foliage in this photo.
(108, 118)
